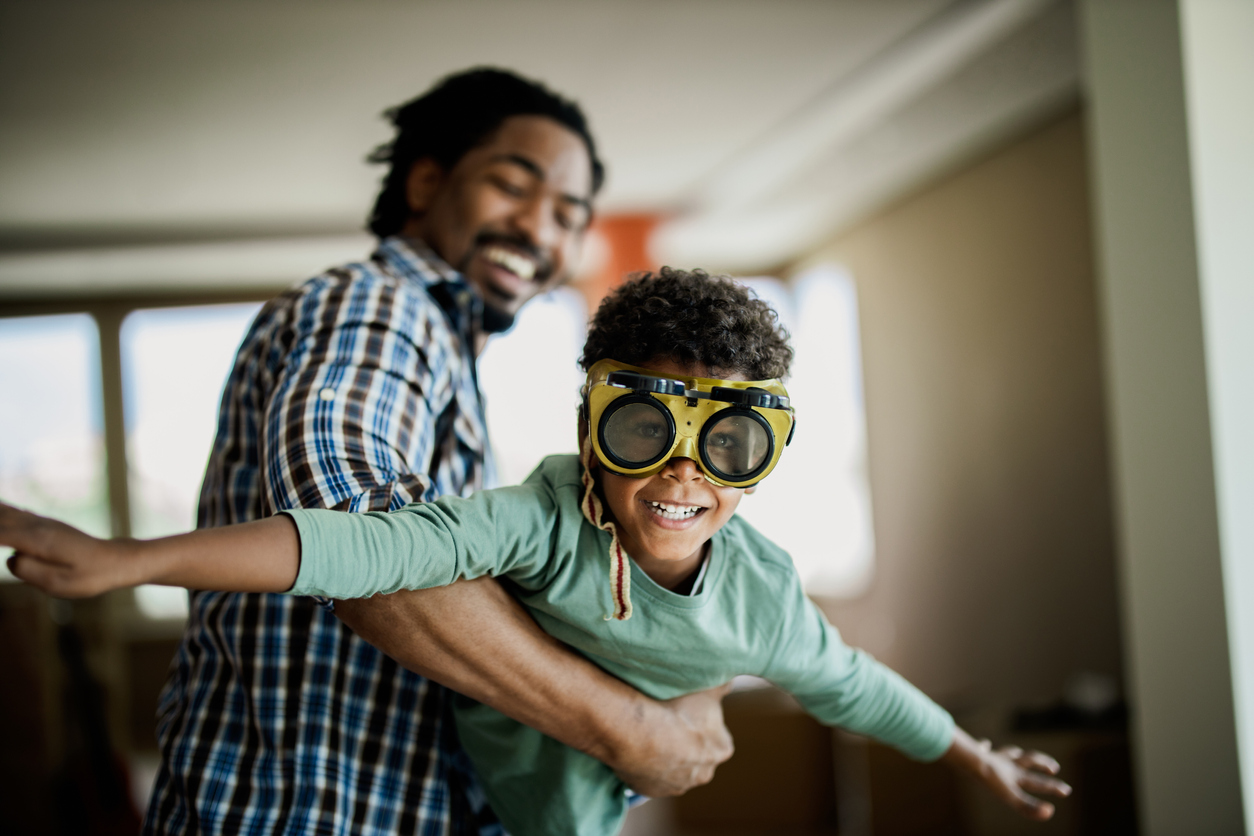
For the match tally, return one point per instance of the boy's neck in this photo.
(676, 575)
(688, 585)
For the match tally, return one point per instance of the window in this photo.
(52, 457)
(174, 362)
(531, 380)
(817, 502)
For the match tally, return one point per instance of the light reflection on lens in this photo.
(736, 445)
(636, 433)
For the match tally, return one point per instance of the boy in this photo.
(682, 414)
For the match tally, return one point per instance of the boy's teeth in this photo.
(675, 512)
(521, 266)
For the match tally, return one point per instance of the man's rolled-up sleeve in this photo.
(351, 423)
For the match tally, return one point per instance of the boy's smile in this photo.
(665, 520)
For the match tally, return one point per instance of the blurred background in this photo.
(1010, 239)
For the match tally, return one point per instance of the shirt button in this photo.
(327, 394)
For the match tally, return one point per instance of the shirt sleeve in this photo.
(361, 384)
(507, 531)
(847, 687)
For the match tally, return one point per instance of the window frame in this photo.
(109, 311)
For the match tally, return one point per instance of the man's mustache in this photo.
(544, 266)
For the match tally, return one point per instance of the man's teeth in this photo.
(521, 266)
(675, 512)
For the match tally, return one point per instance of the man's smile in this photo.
(508, 267)
(522, 266)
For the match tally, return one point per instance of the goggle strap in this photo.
(594, 512)
(647, 384)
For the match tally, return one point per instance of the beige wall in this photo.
(995, 575)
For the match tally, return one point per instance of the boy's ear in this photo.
(425, 178)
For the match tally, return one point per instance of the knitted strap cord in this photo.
(594, 512)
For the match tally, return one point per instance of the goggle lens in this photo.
(737, 445)
(637, 433)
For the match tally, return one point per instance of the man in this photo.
(357, 391)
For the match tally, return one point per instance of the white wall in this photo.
(1218, 38)
(994, 578)
(1178, 383)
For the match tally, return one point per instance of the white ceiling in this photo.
(149, 131)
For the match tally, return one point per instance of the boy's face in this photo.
(665, 520)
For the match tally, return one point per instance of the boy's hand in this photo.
(63, 561)
(1015, 776)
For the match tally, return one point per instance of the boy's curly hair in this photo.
(693, 317)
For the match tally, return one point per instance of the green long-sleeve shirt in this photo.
(750, 617)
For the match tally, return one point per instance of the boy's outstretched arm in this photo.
(1013, 775)
(261, 556)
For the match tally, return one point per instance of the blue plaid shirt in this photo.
(355, 391)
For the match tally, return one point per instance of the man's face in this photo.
(511, 214)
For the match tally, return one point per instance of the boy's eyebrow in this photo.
(535, 170)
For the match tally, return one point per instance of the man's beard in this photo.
(496, 321)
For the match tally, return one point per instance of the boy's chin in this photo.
(676, 552)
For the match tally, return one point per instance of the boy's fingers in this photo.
(1041, 810)
(19, 529)
(35, 572)
(1030, 806)
(56, 579)
(1046, 786)
(1038, 760)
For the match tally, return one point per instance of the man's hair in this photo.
(458, 114)
(692, 317)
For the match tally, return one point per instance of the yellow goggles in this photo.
(735, 430)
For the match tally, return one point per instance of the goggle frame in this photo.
(611, 385)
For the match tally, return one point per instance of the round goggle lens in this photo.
(737, 445)
(637, 433)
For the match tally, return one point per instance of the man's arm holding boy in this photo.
(657, 748)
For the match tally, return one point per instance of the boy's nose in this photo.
(682, 469)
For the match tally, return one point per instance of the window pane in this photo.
(51, 430)
(174, 362)
(536, 366)
(816, 504)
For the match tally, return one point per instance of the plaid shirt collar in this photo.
(413, 259)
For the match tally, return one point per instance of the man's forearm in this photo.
(475, 638)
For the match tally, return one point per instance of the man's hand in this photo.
(1012, 774)
(679, 746)
(63, 561)
(475, 638)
